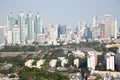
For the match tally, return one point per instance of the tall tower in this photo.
(10, 21)
(94, 21)
(21, 23)
(30, 26)
(38, 25)
(115, 29)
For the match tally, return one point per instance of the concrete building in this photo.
(94, 24)
(9, 37)
(110, 61)
(41, 38)
(51, 33)
(110, 27)
(76, 62)
(91, 60)
(63, 62)
(78, 53)
(16, 34)
(53, 63)
(95, 33)
(29, 63)
(40, 62)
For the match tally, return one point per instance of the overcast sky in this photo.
(66, 12)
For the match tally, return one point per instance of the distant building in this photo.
(51, 34)
(9, 37)
(38, 24)
(78, 53)
(10, 21)
(30, 27)
(16, 34)
(41, 38)
(2, 35)
(21, 23)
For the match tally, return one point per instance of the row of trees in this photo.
(17, 48)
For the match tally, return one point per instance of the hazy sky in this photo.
(67, 12)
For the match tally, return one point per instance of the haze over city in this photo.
(66, 12)
(59, 40)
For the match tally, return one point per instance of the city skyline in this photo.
(62, 12)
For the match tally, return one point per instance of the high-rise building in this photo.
(16, 34)
(10, 21)
(30, 27)
(2, 35)
(81, 29)
(94, 24)
(9, 37)
(102, 30)
(21, 23)
(38, 24)
(62, 29)
(91, 60)
(95, 32)
(51, 33)
(110, 64)
(116, 29)
(109, 27)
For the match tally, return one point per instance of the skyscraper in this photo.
(21, 23)
(30, 27)
(38, 24)
(10, 21)
(94, 24)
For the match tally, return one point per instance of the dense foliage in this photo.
(39, 74)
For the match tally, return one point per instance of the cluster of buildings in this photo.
(26, 29)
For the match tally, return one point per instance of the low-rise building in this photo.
(65, 61)
(40, 62)
(29, 63)
(53, 63)
(76, 62)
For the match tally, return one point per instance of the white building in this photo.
(40, 62)
(65, 61)
(91, 60)
(78, 53)
(16, 34)
(51, 33)
(9, 37)
(29, 63)
(110, 61)
(53, 63)
(76, 62)
(41, 38)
